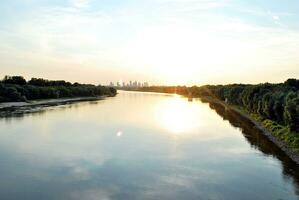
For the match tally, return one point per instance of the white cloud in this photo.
(275, 17)
(192, 5)
(205, 5)
(80, 3)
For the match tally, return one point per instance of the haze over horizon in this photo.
(169, 42)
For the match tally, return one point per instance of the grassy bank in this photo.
(282, 132)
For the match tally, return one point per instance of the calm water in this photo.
(141, 146)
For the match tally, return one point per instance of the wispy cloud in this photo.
(192, 5)
(80, 3)
(203, 5)
(275, 17)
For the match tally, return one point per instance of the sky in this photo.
(169, 42)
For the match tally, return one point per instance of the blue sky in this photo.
(160, 41)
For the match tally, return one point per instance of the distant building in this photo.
(130, 84)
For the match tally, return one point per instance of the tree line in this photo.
(276, 102)
(16, 88)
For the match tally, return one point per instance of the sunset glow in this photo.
(159, 41)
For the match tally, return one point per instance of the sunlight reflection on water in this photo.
(177, 115)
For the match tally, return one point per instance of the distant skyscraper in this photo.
(130, 84)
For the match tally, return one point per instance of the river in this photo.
(141, 146)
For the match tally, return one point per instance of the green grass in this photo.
(283, 133)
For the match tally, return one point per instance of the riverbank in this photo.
(7, 107)
(284, 146)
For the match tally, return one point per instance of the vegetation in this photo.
(183, 90)
(16, 88)
(276, 106)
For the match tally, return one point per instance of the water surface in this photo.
(141, 146)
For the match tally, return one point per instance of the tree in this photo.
(291, 111)
(18, 80)
(292, 83)
(38, 82)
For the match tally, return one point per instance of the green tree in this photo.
(18, 80)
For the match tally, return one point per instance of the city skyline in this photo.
(130, 84)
